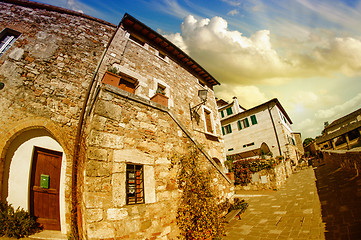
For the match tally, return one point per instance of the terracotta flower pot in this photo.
(161, 99)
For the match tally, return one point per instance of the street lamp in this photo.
(202, 94)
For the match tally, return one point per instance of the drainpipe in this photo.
(274, 128)
(74, 191)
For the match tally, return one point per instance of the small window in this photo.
(228, 129)
(243, 123)
(222, 114)
(137, 40)
(207, 116)
(161, 89)
(253, 119)
(135, 184)
(7, 38)
(230, 149)
(161, 55)
(229, 111)
(239, 124)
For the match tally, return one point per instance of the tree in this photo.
(307, 141)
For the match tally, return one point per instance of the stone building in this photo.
(107, 135)
(262, 129)
(343, 133)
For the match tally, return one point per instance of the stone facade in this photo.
(46, 73)
(55, 67)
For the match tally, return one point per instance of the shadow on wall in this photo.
(339, 191)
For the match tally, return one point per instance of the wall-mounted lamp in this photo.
(202, 94)
(2, 85)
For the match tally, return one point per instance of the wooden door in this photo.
(44, 187)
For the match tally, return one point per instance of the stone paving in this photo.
(292, 212)
(340, 195)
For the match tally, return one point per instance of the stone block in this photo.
(114, 214)
(149, 184)
(16, 54)
(94, 215)
(97, 199)
(100, 230)
(105, 140)
(96, 168)
(97, 154)
(119, 167)
(132, 156)
(109, 110)
(119, 190)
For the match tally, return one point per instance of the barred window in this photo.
(135, 184)
(7, 38)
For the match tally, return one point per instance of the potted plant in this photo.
(160, 96)
(111, 77)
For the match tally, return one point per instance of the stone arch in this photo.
(27, 130)
(264, 148)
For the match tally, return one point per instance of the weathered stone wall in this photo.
(349, 160)
(269, 179)
(46, 73)
(144, 64)
(128, 129)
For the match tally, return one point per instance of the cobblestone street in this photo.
(292, 212)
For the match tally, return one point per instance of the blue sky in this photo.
(307, 53)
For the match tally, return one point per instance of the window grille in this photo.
(135, 184)
(7, 38)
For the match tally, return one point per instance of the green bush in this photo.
(16, 223)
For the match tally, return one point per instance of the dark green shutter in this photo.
(239, 125)
(222, 114)
(223, 131)
(253, 119)
(246, 123)
(229, 111)
(230, 128)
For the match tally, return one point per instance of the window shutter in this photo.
(229, 111)
(223, 131)
(239, 125)
(222, 114)
(246, 122)
(230, 128)
(253, 119)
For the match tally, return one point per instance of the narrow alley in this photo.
(319, 203)
(293, 212)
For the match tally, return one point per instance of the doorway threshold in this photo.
(48, 234)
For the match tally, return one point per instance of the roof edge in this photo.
(31, 4)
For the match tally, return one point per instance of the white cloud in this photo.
(308, 99)
(340, 110)
(233, 12)
(248, 96)
(234, 58)
(74, 5)
(233, 2)
(334, 11)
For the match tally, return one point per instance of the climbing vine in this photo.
(198, 215)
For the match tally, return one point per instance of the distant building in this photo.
(260, 130)
(343, 133)
(299, 143)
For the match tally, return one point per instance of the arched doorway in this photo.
(264, 149)
(34, 177)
